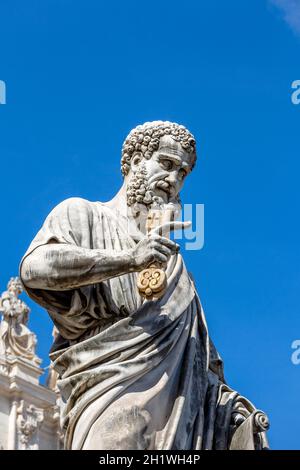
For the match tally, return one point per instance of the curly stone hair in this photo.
(144, 140)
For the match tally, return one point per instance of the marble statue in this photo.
(136, 366)
(15, 337)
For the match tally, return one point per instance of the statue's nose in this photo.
(172, 178)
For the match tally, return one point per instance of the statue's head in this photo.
(156, 158)
(15, 286)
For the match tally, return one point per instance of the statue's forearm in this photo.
(63, 267)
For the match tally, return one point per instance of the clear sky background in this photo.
(81, 74)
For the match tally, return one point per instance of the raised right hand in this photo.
(154, 247)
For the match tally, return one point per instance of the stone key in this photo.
(152, 281)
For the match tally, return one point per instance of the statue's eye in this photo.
(167, 164)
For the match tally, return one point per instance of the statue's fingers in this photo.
(167, 227)
(168, 243)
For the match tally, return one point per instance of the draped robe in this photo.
(135, 373)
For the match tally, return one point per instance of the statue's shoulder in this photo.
(75, 206)
(73, 212)
(76, 202)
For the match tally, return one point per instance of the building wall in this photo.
(4, 416)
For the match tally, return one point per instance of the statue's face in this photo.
(167, 168)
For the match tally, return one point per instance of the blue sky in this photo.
(80, 75)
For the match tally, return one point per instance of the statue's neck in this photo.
(119, 201)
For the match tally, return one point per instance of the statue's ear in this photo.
(136, 159)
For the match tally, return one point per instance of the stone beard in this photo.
(142, 200)
(134, 373)
(140, 191)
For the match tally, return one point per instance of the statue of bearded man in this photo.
(137, 369)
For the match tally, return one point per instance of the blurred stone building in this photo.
(29, 411)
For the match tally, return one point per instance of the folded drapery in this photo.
(134, 373)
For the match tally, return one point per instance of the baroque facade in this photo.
(29, 411)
